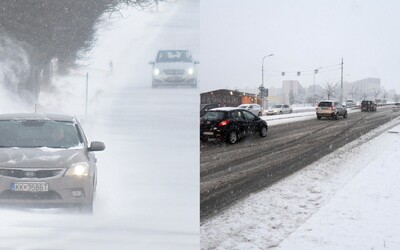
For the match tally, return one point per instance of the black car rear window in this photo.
(214, 115)
(325, 104)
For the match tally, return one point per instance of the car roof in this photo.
(35, 116)
(226, 109)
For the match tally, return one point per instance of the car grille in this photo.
(174, 72)
(29, 173)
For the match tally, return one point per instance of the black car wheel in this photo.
(232, 137)
(345, 115)
(318, 117)
(336, 116)
(263, 131)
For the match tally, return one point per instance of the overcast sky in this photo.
(302, 35)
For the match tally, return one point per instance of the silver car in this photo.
(46, 161)
(253, 108)
(279, 109)
(174, 68)
(331, 109)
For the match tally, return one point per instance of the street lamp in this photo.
(262, 80)
(315, 72)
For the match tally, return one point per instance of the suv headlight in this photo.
(190, 71)
(78, 169)
(156, 72)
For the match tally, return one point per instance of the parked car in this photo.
(230, 124)
(45, 160)
(368, 105)
(253, 108)
(174, 68)
(331, 109)
(205, 107)
(279, 109)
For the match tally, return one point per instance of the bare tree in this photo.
(330, 88)
(376, 92)
(353, 91)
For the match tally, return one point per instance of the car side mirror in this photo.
(196, 62)
(96, 146)
(343, 106)
(151, 62)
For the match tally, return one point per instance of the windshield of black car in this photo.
(214, 115)
(174, 56)
(39, 133)
(325, 104)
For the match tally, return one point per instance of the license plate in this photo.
(208, 133)
(174, 78)
(30, 187)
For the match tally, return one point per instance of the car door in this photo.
(251, 122)
(240, 123)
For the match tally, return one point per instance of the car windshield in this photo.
(165, 56)
(214, 115)
(39, 133)
(277, 106)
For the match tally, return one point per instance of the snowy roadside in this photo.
(264, 219)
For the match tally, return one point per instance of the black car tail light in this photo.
(224, 123)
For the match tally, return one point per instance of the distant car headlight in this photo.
(78, 169)
(156, 72)
(190, 71)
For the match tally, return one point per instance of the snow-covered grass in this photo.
(346, 200)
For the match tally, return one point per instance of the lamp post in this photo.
(262, 80)
(315, 72)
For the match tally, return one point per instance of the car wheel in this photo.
(280, 112)
(232, 137)
(336, 116)
(263, 132)
(345, 115)
(318, 117)
(290, 111)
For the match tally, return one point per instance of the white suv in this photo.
(253, 108)
(174, 67)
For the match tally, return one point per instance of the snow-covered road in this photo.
(342, 201)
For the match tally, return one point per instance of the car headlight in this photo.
(156, 72)
(78, 169)
(190, 71)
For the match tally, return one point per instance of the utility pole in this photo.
(87, 94)
(341, 84)
(262, 88)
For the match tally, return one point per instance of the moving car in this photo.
(279, 109)
(205, 107)
(350, 103)
(174, 68)
(46, 161)
(396, 107)
(331, 109)
(253, 108)
(368, 105)
(230, 124)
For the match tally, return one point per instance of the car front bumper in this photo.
(62, 191)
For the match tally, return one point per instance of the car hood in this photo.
(177, 65)
(274, 110)
(40, 157)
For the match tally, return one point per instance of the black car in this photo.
(205, 107)
(230, 124)
(368, 105)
